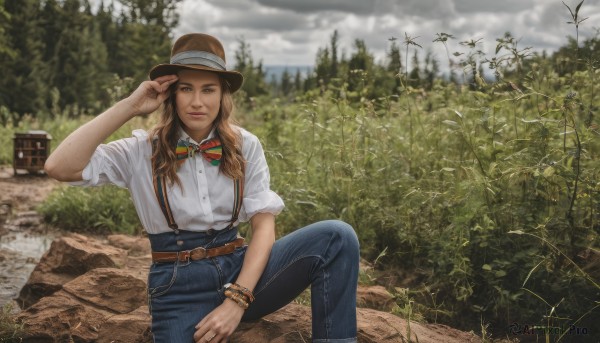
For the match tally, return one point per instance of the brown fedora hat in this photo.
(202, 52)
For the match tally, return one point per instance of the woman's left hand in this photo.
(219, 324)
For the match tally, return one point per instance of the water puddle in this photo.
(19, 254)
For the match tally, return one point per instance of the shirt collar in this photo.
(184, 136)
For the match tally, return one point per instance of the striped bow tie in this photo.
(211, 150)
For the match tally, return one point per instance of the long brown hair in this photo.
(165, 134)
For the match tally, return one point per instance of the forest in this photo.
(474, 192)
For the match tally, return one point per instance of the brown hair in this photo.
(164, 136)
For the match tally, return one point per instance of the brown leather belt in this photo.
(198, 253)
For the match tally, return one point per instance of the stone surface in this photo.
(62, 317)
(88, 291)
(376, 297)
(132, 327)
(67, 258)
(134, 245)
(113, 289)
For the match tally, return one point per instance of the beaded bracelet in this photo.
(237, 297)
(245, 291)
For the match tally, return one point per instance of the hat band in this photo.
(199, 57)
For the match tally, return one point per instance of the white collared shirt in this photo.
(205, 200)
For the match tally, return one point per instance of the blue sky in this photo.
(289, 32)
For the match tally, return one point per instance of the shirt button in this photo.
(203, 198)
(200, 171)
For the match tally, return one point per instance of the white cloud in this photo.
(291, 31)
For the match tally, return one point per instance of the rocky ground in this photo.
(23, 236)
(86, 289)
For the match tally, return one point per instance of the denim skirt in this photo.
(180, 294)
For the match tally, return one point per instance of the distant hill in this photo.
(277, 71)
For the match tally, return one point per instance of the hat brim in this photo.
(234, 78)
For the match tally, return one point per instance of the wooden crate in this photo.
(30, 151)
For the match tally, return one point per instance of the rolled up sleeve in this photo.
(258, 196)
(111, 163)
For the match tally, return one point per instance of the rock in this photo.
(26, 220)
(135, 246)
(103, 300)
(293, 324)
(62, 317)
(109, 288)
(67, 258)
(377, 326)
(5, 210)
(132, 327)
(86, 291)
(375, 297)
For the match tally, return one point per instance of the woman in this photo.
(192, 179)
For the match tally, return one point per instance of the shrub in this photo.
(10, 330)
(106, 209)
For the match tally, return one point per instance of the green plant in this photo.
(11, 331)
(434, 180)
(106, 209)
(553, 320)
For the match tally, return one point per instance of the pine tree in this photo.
(5, 49)
(414, 77)
(159, 13)
(333, 71)
(22, 80)
(143, 36)
(394, 58)
(394, 66)
(430, 71)
(323, 66)
(80, 59)
(254, 75)
(107, 26)
(360, 68)
(7, 55)
(298, 81)
(286, 82)
(52, 29)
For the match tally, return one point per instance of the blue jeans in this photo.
(324, 255)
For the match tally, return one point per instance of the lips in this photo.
(197, 114)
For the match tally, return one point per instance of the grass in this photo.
(97, 210)
(437, 179)
(11, 331)
(442, 201)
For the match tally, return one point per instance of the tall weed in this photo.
(97, 210)
(443, 196)
(11, 331)
(439, 179)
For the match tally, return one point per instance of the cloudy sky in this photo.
(289, 32)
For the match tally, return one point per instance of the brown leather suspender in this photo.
(160, 189)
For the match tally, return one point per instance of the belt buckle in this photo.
(197, 253)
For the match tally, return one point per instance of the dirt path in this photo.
(23, 236)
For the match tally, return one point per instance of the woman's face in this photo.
(197, 100)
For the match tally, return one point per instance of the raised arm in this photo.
(69, 159)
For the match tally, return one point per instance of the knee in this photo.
(346, 235)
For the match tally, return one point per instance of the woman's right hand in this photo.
(150, 95)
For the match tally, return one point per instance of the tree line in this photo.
(407, 66)
(58, 55)
(62, 53)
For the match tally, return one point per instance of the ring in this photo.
(211, 337)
